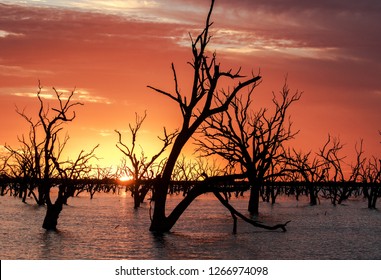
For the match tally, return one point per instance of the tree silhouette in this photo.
(39, 162)
(141, 167)
(253, 140)
(204, 100)
(26, 162)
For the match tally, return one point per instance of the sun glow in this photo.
(125, 178)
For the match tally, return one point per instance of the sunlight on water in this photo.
(107, 227)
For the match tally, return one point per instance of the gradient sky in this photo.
(111, 50)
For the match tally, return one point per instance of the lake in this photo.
(107, 227)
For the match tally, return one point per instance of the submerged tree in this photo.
(141, 167)
(371, 174)
(39, 158)
(204, 100)
(253, 140)
(25, 162)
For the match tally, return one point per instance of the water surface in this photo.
(107, 227)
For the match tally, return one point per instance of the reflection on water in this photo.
(108, 227)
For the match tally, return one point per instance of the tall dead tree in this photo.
(253, 140)
(204, 100)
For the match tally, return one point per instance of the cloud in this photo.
(80, 95)
(112, 4)
(313, 30)
(19, 71)
(100, 131)
(350, 27)
(86, 96)
(4, 34)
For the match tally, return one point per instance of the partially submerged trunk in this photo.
(53, 210)
(52, 214)
(255, 185)
(139, 192)
(311, 192)
(253, 206)
(163, 223)
(375, 192)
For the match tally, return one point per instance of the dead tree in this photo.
(4, 173)
(309, 169)
(43, 149)
(141, 167)
(336, 166)
(332, 163)
(371, 176)
(323, 168)
(253, 140)
(25, 162)
(204, 100)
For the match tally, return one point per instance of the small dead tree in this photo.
(4, 172)
(141, 166)
(310, 170)
(25, 162)
(371, 176)
(321, 169)
(332, 166)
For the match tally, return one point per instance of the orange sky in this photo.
(111, 50)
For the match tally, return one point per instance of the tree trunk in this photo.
(273, 194)
(253, 206)
(136, 196)
(53, 210)
(159, 222)
(41, 195)
(165, 224)
(143, 192)
(372, 198)
(52, 214)
(311, 192)
(3, 187)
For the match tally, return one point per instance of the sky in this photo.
(110, 51)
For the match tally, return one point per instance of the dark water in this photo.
(107, 227)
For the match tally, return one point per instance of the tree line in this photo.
(222, 123)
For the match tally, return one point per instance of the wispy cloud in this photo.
(22, 72)
(81, 95)
(249, 43)
(86, 96)
(4, 33)
(100, 131)
(112, 4)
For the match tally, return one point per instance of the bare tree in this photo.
(141, 166)
(25, 161)
(39, 158)
(371, 175)
(253, 140)
(204, 100)
(4, 172)
(310, 170)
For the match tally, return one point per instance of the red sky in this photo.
(111, 50)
